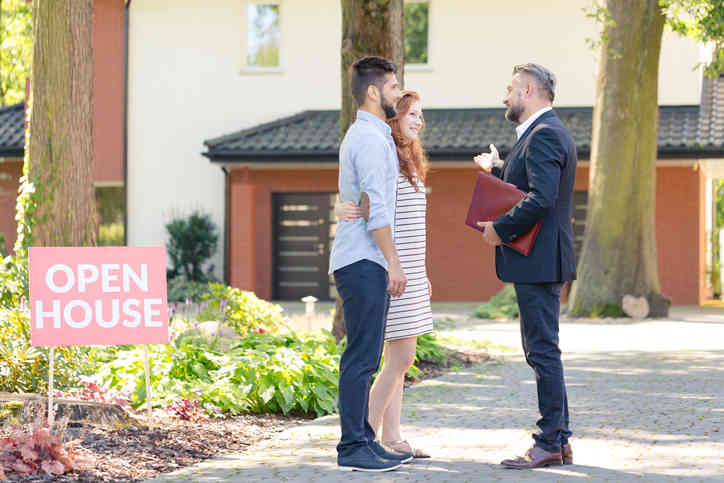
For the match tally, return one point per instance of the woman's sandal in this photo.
(402, 446)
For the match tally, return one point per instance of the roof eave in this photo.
(12, 153)
(268, 156)
(437, 155)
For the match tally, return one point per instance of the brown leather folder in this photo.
(492, 198)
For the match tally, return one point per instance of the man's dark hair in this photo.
(369, 71)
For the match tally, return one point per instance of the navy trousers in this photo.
(539, 306)
(363, 289)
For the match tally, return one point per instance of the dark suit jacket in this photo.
(543, 164)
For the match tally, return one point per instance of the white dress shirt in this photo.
(521, 128)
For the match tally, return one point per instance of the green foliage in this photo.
(701, 20)
(179, 289)
(2, 244)
(416, 25)
(14, 268)
(261, 373)
(601, 16)
(429, 349)
(16, 48)
(243, 310)
(192, 241)
(263, 35)
(111, 202)
(24, 368)
(607, 310)
(715, 271)
(111, 235)
(13, 281)
(504, 305)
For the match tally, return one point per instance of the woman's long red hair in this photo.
(413, 160)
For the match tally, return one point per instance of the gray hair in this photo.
(542, 76)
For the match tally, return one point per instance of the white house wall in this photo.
(187, 81)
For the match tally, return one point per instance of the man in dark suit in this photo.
(543, 164)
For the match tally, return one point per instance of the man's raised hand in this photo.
(486, 161)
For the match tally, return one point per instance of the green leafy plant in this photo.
(180, 290)
(13, 281)
(24, 368)
(429, 349)
(192, 242)
(16, 34)
(243, 310)
(261, 373)
(607, 310)
(714, 271)
(110, 234)
(504, 305)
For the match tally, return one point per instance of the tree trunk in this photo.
(369, 27)
(60, 164)
(619, 249)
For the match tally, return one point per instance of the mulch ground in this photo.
(138, 453)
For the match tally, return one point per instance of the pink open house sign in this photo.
(98, 296)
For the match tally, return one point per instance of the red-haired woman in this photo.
(409, 316)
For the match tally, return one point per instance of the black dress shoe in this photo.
(364, 459)
(380, 451)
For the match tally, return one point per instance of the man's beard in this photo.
(513, 113)
(389, 109)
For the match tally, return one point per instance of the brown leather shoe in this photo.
(567, 454)
(535, 457)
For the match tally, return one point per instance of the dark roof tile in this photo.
(449, 134)
(12, 130)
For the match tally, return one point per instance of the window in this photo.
(417, 21)
(111, 205)
(263, 35)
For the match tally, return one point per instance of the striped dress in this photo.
(410, 315)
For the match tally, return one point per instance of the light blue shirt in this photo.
(367, 163)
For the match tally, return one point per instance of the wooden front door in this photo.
(303, 227)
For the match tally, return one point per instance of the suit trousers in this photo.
(363, 289)
(539, 306)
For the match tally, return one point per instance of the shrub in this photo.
(13, 281)
(24, 368)
(607, 310)
(429, 349)
(192, 241)
(261, 373)
(110, 234)
(179, 290)
(243, 310)
(504, 305)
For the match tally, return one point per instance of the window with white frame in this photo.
(417, 23)
(263, 35)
